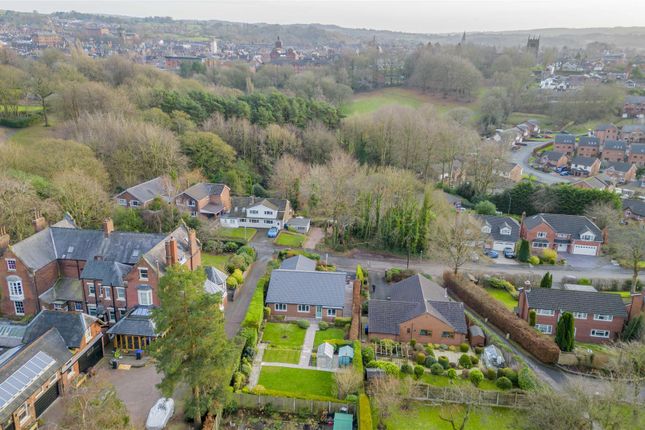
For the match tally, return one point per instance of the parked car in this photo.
(491, 253)
(509, 252)
(565, 173)
(160, 414)
(273, 232)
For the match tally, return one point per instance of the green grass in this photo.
(218, 261)
(272, 355)
(503, 296)
(330, 333)
(291, 239)
(29, 108)
(421, 416)
(25, 136)
(592, 346)
(444, 381)
(622, 294)
(237, 234)
(301, 382)
(282, 335)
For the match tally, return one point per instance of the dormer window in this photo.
(587, 236)
(191, 203)
(486, 229)
(70, 249)
(253, 211)
(541, 234)
(505, 231)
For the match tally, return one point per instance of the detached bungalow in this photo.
(142, 194)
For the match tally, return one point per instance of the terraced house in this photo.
(574, 234)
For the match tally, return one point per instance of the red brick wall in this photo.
(531, 234)
(411, 329)
(588, 151)
(613, 155)
(128, 197)
(31, 298)
(584, 327)
(610, 134)
(292, 312)
(133, 281)
(638, 159)
(567, 148)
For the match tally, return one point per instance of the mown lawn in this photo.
(282, 335)
(239, 233)
(291, 239)
(444, 381)
(420, 416)
(273, 355)
(298, 382)
(330, 333)
(503, 296)
(218, 261)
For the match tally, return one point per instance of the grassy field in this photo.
(503, 296)
(444, 381)
(622, 294)
(291, 239)
(218, 261)
(424, 417)
(29, 134)
(330, 333)
(282, 335)
(240, 233)
(298, 381)
(273, 355)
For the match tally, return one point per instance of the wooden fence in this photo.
(502, 399)
(290, 405)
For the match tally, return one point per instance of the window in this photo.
(91, 289)
(253, 212)
(255, 221)
(331, 312)
(122, 312)
(19, 307)
(145, 297)
(107, 291)
(135, 203)
(122, 202)
(268, 212)
(601, 317)
(486, 229)
(120, 293)
(540, 244)
(544, 328)
(91, 309)
(280, 307)
(587, 237)
(193, 213)
(268, 221)
(58, 307)
(23, 413)
(11, 264)
(423, 332)
(580, 315)
(191, 203)
(545, 312)
(505, 231)
(112, 314)
(303, 308)
(15, 287)
(88, 334)
(143, 273)
(78, 306)
(447, 334)
(600, 333)
(541, 234)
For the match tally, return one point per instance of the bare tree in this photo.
(95, 406)
(348, 382)
(389, 394)
(627, 243)
(457, 239)
(458, 414)
(603, 214)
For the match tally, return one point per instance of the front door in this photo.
(318, 312)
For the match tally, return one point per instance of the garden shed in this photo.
(345, 355)
(476, 335)
(343, 421)
(325, 356)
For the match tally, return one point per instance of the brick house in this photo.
(297, 290)
(141, 195)
(594, 183)
(205, 200)
(554, 159)
(420, 309)
(606, 132)
(565, 143)
(510, 171)
(633, 133)
(588, 146)
(585, 166)
(634, 106)
(574, 234)
(634, 209)
(614, 151)
(637, 154)
(502, 231)
(620, 172)
(598, 317)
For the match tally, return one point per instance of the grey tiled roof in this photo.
(565, 138)
(299, 262)
(583, 161)
(615, 145)
(497, 223)
(603, 127)
(147, 191)
(299, 222)
(307, 288)
(410, 298)
(239, 205)
(576, 301)
(619, 166)
(137, 322)
(552, 155)
(215, 280)
(65, 289)
(574, 225)
(108, 272)
(589, 141)
(632, 128)
(70, 325)
(638, 148)
(204, 189)
(636, 206)
(635, 99)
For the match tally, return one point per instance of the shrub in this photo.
(407, 369)
(395, 274)
(267, 312)
(565, 332)
(429, 350)
(525, 379)
(418, 371)
(286, 253)
(421, 358)
(464, 361)
(387, 366)
(429, 361)
(342, 321)
(549, 256)
(491, 374)
(238, 381)
(485, 207)
(413, 343)
(250, 336)
(474, 360)
(255, 311)
(504, 383)
(213, 246)
(509, 373)
(249, 250)
(464, 347)
(524, 253)
(323, 325)
(231, 246)
(452, 348)
(479, 350)
(364, 413)
(584, 281)
(532, 317)
(238, 275)
(465, 373)
(248, 259)
(541, 346)
(451, 373)
(436, 369)
(476, 377)
(231, 282)
(368, 354)
(358, 358)
(547, 280)
(444, 362)
(246, 369)
(534, 260)
(304, 324)
(20, 121)
(236, 262)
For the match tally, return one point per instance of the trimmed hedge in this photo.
(286, 253)
(20, 121)
(541, 346)
(357, 362)
(364, 413)
(255, 312)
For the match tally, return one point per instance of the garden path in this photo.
(308, 345)
(254, 377)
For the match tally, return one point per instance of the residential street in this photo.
(521, 157)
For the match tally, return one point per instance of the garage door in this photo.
(48, 397)
(585, 249)
(91, 357)
(499, 246)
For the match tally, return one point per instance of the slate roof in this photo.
(299, 222)
(618, 166)
(299, 262)
(565, 139)
(576, 301)
(410, 298)
(204, 189)
(65, 289)
(574, 225)
(50, 343)
(636, 206)
(589, 141)
(630, 128)
(583, 161)
(70, 325)
(475, 330)
(215, 280)
(638, 148)
(137, 322)
(108, 272)
(635, 99)
(307, 288)
(147, 191)
(552, 155)
(497, 223)
(593, 182)
(615, 145)
(239, 205)
(603, 127)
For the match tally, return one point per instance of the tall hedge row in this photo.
(541, 346)
(364, 413)
(255, 312)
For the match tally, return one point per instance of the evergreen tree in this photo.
(524, 254)
(194, 348)
(564, 334)
(633, 330)
(547, 280)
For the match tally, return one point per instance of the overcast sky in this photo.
(422, 16)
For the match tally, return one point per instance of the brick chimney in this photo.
(39, 222)
(194, 249)
(4, 239)
(636, 306)
(108, 227)
(171, 252)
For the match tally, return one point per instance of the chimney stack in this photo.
(108, 227)
(192, 241)
(171, 252)
(636, 306)
(4, 239)
(39, 223)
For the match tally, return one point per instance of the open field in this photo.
(218, 261)
(291, 239)
(425, 417)
(330, 333)
(298, 382)
(282, 335)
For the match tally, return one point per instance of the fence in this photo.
(290, 405)
(510, 399)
